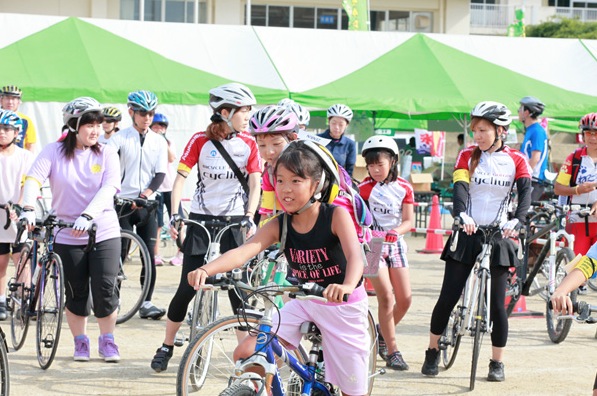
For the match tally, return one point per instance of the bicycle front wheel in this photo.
(479, 327)
(558, 329)
(239, 390)
(50, 310)
(18, 299)
(133, 277)
(205, 311)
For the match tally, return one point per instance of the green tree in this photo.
(564, 28)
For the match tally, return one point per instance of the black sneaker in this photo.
(382, 346)
(152, 312)
(430, 366)
(2, 311)
(396, 362)
(496, 371)
(161, 358)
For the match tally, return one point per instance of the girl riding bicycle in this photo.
(321, 246)
(220, 195)
(484, 177)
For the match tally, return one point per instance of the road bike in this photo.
(4, 367)
(38, 292)
(471, 316)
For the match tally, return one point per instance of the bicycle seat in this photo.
(310, 331)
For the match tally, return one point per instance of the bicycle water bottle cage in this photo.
(311, 332)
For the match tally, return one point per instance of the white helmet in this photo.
(496, 113)
(302, 114)
(286, 102)
(380, 142)
(233, 95)
(340, 110)
(76, 108)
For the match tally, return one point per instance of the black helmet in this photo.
(533, 105)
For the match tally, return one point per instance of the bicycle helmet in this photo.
(10, 118)
(11, 90)
(112, 114)
(232, 95)
(159, 118)
(340, 110)
(286, 102)
(494, 112)
(302, 114)
(380, 142)
(273, 119)
(588, 121)
(533, 105)
(76, 108)
(142, 101)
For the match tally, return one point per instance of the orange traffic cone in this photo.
(520, 309)
(369, 288)
(434, 242)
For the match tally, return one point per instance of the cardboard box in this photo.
(421, 182)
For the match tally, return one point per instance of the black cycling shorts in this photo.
(6, 248)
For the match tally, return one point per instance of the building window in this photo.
(327, 18)
(258, 15)
(558, 3)
(303, 17)
(164, 10)
(278, 16)
(153, 10)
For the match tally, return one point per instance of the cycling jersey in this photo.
(139, 161)
(490, 185)
(14, 168)
(587, 172)
(219, 193)
(386, 201)
(269, 202)
(535, 139)
(28, 134)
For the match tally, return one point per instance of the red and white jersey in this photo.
(386, 200)
(219, 193)
(491, 183)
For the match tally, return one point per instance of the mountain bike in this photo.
(472, 314)
(39, 291)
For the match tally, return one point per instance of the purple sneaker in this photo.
(108, 348)
(81, 348)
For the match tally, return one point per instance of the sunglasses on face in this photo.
(143, 113)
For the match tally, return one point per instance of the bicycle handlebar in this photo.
(583, 310)
(51, 222)
(7, 208)
(139, 202)
(204, 223)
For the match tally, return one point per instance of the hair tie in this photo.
(216, 117)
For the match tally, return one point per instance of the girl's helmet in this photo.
(302, 114)
(380, 142)
(159, 118)
(112, 114)
(76, 108)
(494, 112)
(286, 102)
(533, 105)
(273, 119)
(142, 101)
(232, 95)
(340, 110)
(11, 119)
(589, 121)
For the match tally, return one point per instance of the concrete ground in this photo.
(534, 365)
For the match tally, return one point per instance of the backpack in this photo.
(350, 199)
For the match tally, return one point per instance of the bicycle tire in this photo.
(220, 339)
(450, 340)
(205, 308)
(19, 318)
(372, 366)
(50, 310)
(478, 328)
(514, 289)
(592, 282)
(239, 390)
(558, 329)
(4, 366)
(132, 284)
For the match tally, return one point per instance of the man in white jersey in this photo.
(143, 164)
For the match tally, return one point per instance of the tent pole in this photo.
(441, 178)
(249, 12)
(141, 10)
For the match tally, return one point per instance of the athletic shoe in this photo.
(496, 371)
(396, 362)
(2, 310)
(161, 358)
(151, 312)
(159, 261)
(431, 364)
(176, 260)
(108, 349)
(382, 347)
(81, 348)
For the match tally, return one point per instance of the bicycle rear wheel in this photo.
(134, 275)
(592, 282)
(18, 299)
(372, 367)
(50, 310)
(558, 329)
(479, 327)
(514, 288)
(449, 343)
(4, 370)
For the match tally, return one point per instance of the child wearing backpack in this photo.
(390, 199)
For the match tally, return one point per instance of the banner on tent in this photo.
(430, 143)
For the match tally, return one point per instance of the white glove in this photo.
(28, 216)
(466, 219)
(82, 223)
(510, 224)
